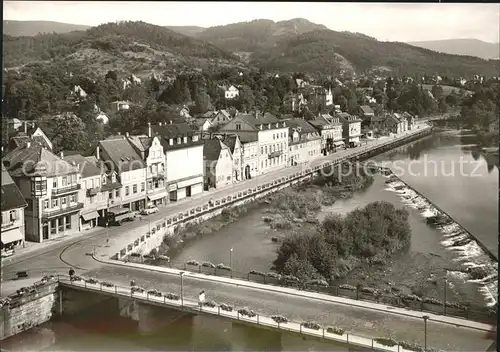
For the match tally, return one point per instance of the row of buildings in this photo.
(61, 194)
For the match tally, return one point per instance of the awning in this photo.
(90, 216)
(118, 210)
(157, 196)
(338, 143)
(122, 216)
(11, 236)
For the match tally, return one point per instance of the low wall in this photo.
(166, 227)
(30, 310)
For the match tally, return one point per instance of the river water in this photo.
(469, 197)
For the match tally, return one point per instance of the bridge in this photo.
(90, 254)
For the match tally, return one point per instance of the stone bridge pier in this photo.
(150, 318)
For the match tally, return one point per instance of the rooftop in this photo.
(11, 197)
(122, 155)
(88, 166)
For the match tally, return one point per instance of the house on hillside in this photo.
(300, 83)
(51, 188)
(119, 156)
(304, 142)
(218, 164)
(403, 122)
(365, 112)
(202, 125)
(102, 117)
(182, 147)
(232, 92)
(119, 105)
(220, 117)
(13, 205)
(410, 119)
(95, 200)
(32, 134)
(272, 137)
(393, 124)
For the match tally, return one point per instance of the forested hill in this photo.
(124, 45)
(327, 51)
(31, 28)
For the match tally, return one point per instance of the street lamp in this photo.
(425, 317)
(182, 288)
(231, 261)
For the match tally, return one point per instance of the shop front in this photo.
(159, 198)
(9, 240)
(88, 220)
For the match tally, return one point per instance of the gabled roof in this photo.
(201, 122)
(36, 160)
(141, 142)
(366, 109)
(88, 166)
(254, 122)
(208, 114)
(11, 196)
(225, 113)
(212, 149)
(347, 117)
(122, 155)
(304, 126)
(230, 141)
(165, 132)
(319, 122)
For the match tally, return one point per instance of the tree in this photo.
(111, 75)
(202, 102)
(70, 134)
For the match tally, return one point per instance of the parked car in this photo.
(150, 209)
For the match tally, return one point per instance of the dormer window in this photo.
(195, 138)
(277, 125)
(104, 180)
(185, 139)
(171, 141)
(179, 140)
(113, 178)
(284, 125)
(260, 127)
(269, 126)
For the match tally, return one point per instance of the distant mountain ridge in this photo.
(32, 28)
(467, 46)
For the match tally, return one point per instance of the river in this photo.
(470, 198)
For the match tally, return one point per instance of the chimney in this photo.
(149, 129)
(97, 153)
(62, 155)
(28, 144)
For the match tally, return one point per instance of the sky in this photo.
(388, 22)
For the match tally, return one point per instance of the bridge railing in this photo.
(243, 314)
(464, 310)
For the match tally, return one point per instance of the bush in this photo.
(193, 263)
(107, 284)
(336, 331)
(279, 319)
(290, 278)
(411, 297)
(347, 287)
(76, 278)
(311, 325)
(273, 275)
(91, 281)
(210, 304)
(47, 278)
(258, 273)
(226, 307)
(134, 254)
(155, 293)
(430, 300)
(457, 305)
(411, 346)
(322, 283)
(385, 341)
(247, 312)
(222, 266)
(137, 289)
(369, 290)
(172, 296)
(208, 265)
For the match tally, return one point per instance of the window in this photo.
(262, 150)
(53, 226)
(113, 178)
(185, 139)
(117, 193)
(73, 198)
(104, 180)
(63, 201)
(90, 183)
(74, 178)
(91, 200)
(45, 204)
(13, 215)
(178, 140)
(64, 181)
(134, 188)
(150, 185)
(38, 186)
(238, 126)
(274, 136)
(143, 186)
(54, 203)
(126, 190)
(265, 149)
(110, 195)
(54, 183)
